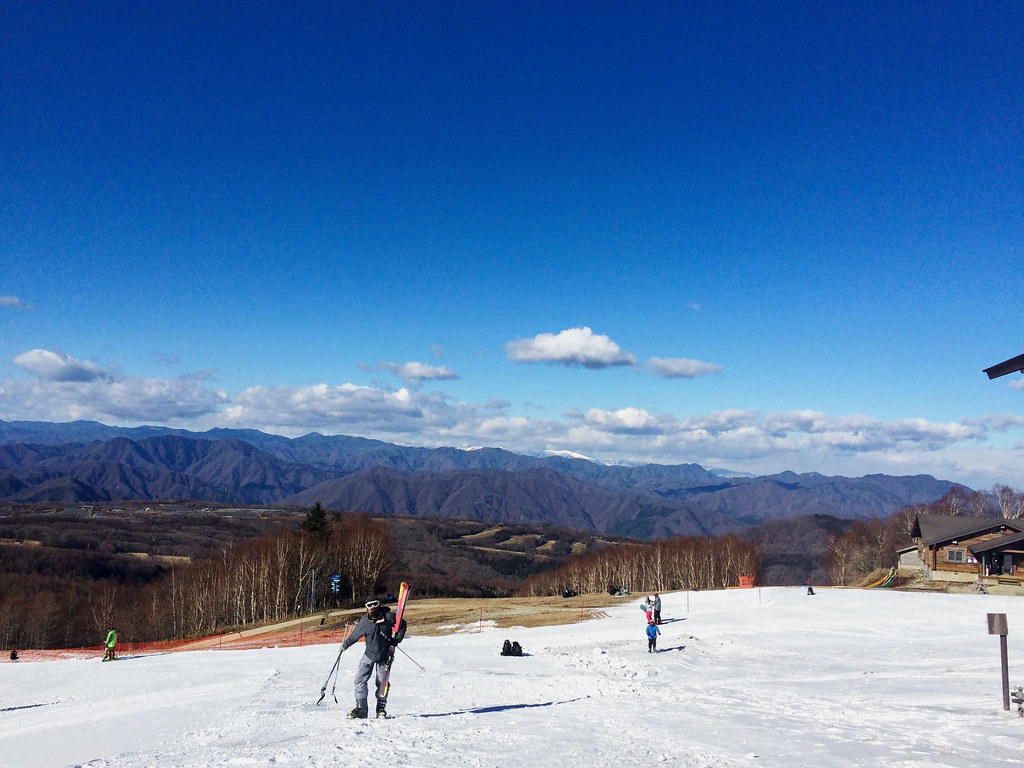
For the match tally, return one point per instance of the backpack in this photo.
(517, 649)
(506, 649)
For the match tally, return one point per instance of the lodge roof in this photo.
(934, 529)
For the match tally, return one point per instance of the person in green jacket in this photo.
(110, 654)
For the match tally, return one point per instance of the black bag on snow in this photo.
(506, 649)
(517, 649)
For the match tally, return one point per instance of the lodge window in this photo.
(955, 555)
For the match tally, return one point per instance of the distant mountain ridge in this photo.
(83, 462)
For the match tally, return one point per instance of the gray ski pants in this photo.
(363, 671)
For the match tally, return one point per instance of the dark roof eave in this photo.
(997, 544)
(936, 529)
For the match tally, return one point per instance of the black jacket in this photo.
(380, 635)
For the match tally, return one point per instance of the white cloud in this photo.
(574, 346)
(1000, 422)
(346, 408)
(12, 301)
(67, 388)
(123, 401)
(413, 374)
(680, 368)
(622, 420)
(55, 365)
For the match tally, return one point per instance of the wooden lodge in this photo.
(989, 549)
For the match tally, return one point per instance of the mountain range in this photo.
(87, 462)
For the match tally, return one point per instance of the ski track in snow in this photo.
(767, 677)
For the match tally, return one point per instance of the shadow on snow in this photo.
(501, 708)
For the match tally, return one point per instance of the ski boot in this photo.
(382, 708)
(360, 712)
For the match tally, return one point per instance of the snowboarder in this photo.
(810, 590)
(652, 636)
(657, 608)
(378, 627)
(110, 653)
(14, 654)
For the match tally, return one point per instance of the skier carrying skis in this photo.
(109, 653)
(378, 627)
(652, 636)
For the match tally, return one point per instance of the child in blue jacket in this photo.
(652, 636)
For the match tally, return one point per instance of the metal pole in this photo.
(410, 658)
(997, 626)
(1006, 673)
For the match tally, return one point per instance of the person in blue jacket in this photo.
(652, 636)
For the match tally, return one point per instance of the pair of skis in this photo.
(403, 597)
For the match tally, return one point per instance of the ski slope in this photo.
(762, 677)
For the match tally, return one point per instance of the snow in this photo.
(762, 677)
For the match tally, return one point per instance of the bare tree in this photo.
(361, 549)
(1009, 501)
(676, 563)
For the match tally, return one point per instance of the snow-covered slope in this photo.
(768, 677)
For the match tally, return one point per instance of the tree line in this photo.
(681, 562)
(275, 576)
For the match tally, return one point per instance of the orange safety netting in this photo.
(233, 641)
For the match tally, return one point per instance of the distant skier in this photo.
(110, 652)
(652, 636)
(656, 604)
(378, 627)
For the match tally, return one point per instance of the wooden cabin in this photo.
(970, 548)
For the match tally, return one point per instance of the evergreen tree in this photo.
(316, 523)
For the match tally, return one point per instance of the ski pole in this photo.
(410, 658)
(323, 689)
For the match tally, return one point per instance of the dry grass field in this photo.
(442, 616)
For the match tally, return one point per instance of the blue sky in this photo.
(761, 236)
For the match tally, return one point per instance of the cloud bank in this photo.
(63, 388)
